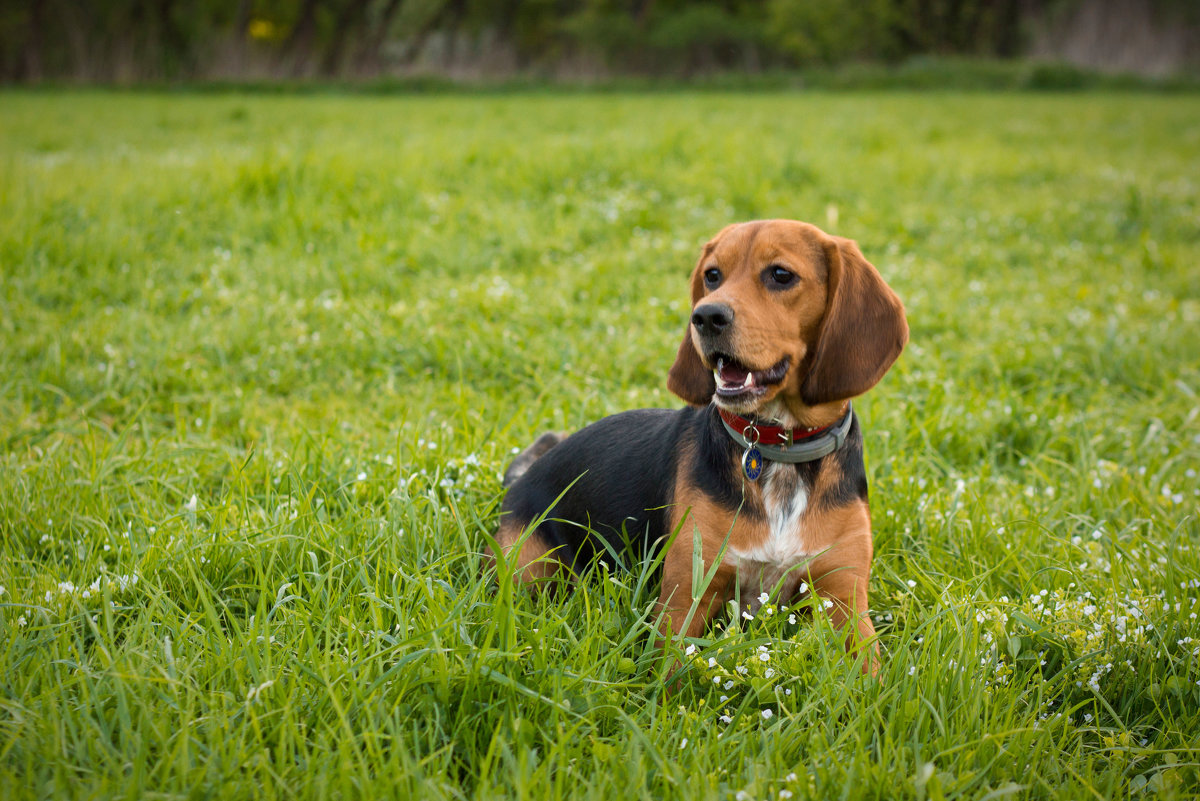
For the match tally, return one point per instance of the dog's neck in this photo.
(798, 415)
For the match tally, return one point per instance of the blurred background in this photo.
(140, 41)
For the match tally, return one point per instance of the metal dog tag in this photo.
(752, 463)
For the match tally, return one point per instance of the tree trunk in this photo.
(241, 32)
(31, 58)
(349, 20)
(173, 54)
(77, 25)
(368, 57)
(297, 49)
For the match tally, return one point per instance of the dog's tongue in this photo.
(732, 375)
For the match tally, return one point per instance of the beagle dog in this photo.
(761, 478)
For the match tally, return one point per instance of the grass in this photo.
(919, 73)
(262, 359)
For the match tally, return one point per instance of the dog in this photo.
(760, 477)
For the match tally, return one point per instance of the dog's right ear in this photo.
(688, 377)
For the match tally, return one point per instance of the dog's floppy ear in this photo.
(688, 377)
(863, 332)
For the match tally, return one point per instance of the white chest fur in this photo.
(776, 561)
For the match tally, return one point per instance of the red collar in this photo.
(772, 435)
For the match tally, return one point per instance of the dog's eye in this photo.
(778, 276)
(712, 277)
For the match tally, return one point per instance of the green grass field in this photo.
(262, 359)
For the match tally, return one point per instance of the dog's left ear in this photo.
(863, 332)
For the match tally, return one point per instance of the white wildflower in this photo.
(255, 692)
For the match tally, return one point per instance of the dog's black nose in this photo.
(712, 318)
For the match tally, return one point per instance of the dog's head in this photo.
(782, 311)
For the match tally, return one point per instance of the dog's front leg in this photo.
(686, 608)
(685, 605)
(844, 591)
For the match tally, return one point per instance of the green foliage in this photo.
(671, 37)
(263, 357)
(889, 30)
(810, 31)
(704, 31)
(131, 41)
(979, 27)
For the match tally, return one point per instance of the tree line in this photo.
(170, 40)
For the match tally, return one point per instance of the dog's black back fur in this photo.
(624, 469)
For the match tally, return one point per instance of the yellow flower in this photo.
(263, 30)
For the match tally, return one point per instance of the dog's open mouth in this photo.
(736, 380)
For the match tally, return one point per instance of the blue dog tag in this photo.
(752, 463)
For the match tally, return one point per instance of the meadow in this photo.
(264, 357)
